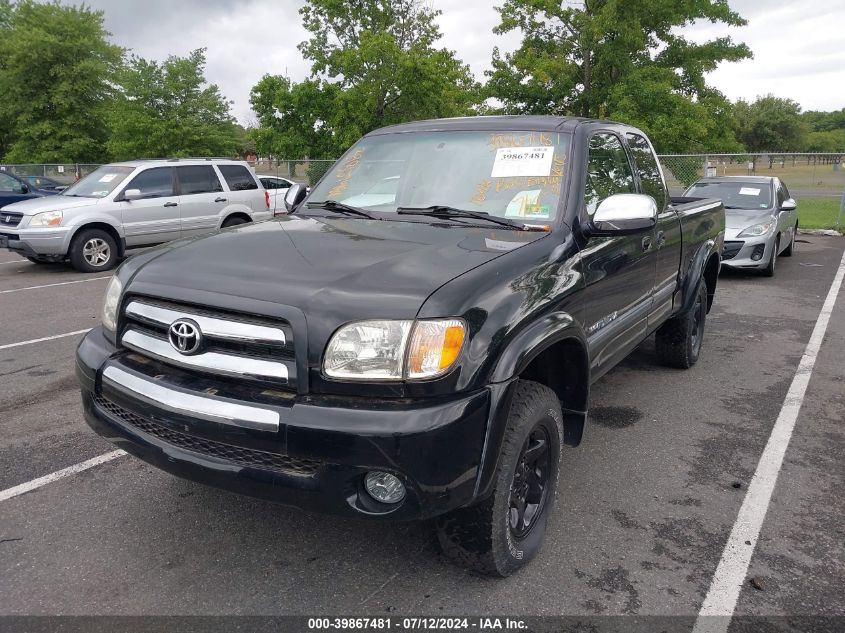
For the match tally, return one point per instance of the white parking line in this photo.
(63, 283)
(41, 340)
(17, 261)
(720, 602)
(59, 474)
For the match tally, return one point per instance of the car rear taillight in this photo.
(267, 198)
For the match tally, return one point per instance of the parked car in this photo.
(136, 203)
(430, 356)
(14, 188)
(276, 187)
(45, 184)
(761, 219)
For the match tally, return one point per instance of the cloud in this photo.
(797, 49)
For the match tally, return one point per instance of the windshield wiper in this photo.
(339, 207)
(443, 211)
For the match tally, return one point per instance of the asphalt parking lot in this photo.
(645, 507)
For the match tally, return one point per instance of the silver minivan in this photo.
(132, 204)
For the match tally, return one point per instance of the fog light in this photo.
(757, 253)
(384, 487)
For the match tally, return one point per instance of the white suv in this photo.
(136, 203)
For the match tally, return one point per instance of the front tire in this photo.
(769, 270)
(678, 341)
(787, 252)
(93, 251)
(501, 534)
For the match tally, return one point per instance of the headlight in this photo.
(756, 230)
(394, 350)
(110, 303)
(48, 218)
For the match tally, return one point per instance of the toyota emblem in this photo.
(185, 336)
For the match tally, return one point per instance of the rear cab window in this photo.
(195, 179)
(238, 177)
(645, 162)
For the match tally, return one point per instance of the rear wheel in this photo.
(501, 534)
(92, 251)
(787, 252)
(235, 221)
(678, 341)
(769, 270)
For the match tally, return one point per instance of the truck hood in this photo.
(333, 270)
(743, 218)
(49, 203)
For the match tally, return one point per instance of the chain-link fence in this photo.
(816, 181)
(61, 173)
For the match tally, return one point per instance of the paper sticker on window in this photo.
(749, 191)
(107, 178)
(526, 205)
(523, 161)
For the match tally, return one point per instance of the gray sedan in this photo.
(761, 219)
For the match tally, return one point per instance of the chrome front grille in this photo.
(228, 452)
(10, 219)
(234, 346)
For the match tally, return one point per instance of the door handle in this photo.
(220, 199)
(171, 204)
(647, 243)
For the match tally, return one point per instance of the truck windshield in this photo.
(736, 194)
(99, 183)
(517, 175)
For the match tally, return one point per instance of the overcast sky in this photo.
(798, 46)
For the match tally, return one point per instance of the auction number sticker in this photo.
(523, 161)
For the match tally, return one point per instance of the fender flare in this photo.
(526, 346)
(695, 273)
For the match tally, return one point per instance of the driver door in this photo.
(154, 218)
(619, 271)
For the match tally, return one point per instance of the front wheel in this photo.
(769, 270)
(93, 251)
(505, 531)
(678, 341)
(787, 252)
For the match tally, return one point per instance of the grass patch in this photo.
(819, 213)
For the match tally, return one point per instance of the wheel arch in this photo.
(103, 226)
(704, 265)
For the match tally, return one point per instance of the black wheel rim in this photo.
(530, 485)
(697, 324)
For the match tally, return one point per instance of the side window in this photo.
(9, 184)
(238, 177)
(269, 183)
(786, 195)
(198, 179)
(154, 183)
(608, 170)
(650, 181)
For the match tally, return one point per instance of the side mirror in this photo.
(295, 195)
(132, 194)
(24, 188)
(624, 213)
(789, 205)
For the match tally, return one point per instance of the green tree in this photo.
(770, 124)
(374, 63)
(622, 60)
(168, 109)
(56, 68)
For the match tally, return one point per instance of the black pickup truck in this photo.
(418, 337)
